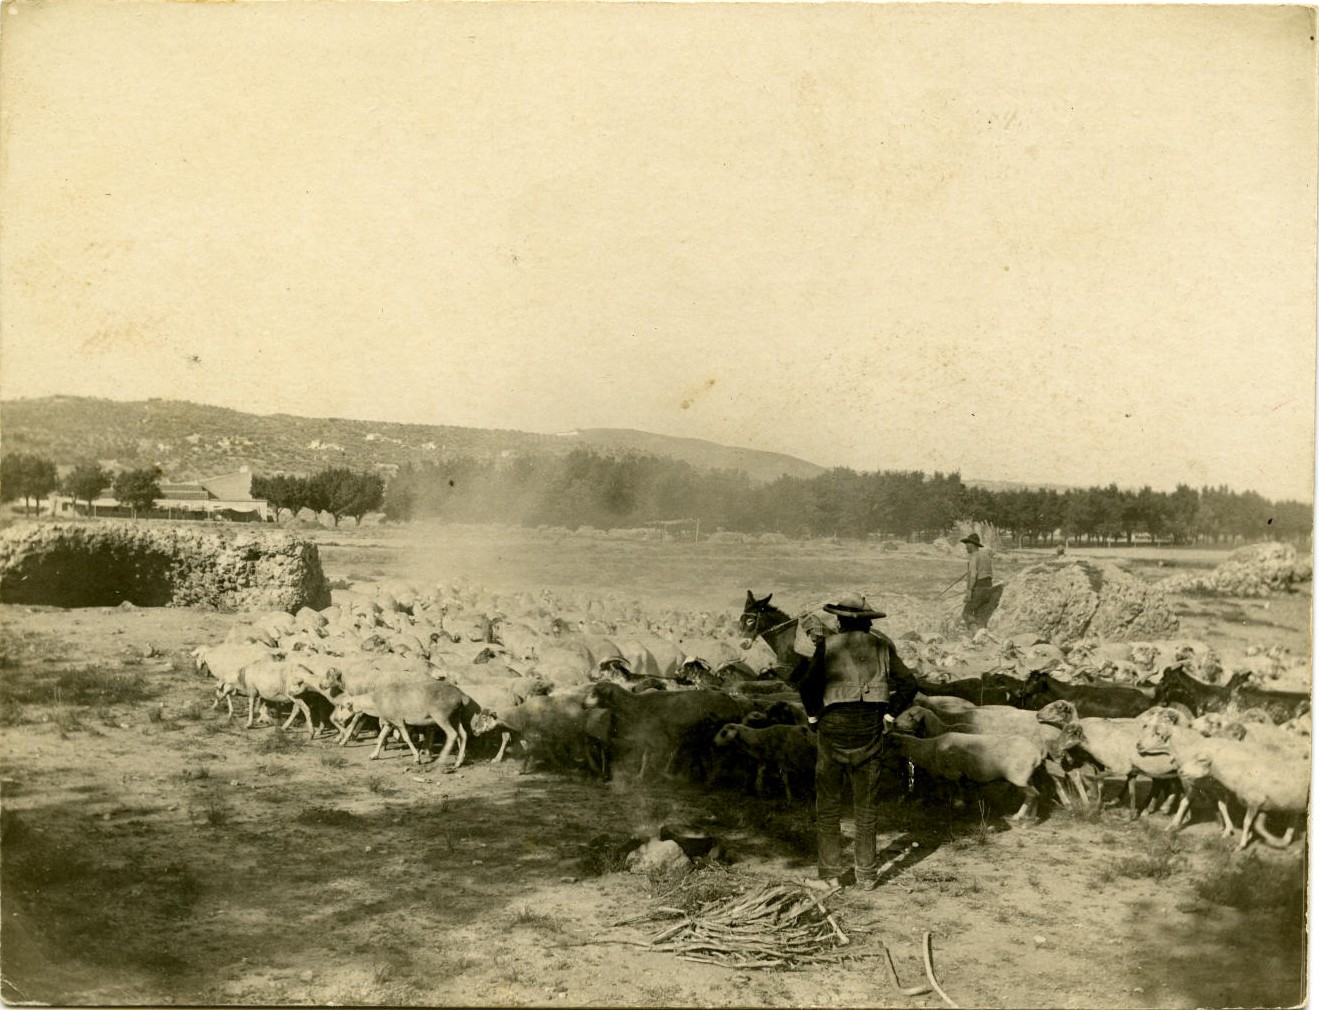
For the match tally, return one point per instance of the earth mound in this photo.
(151, 565)
(1063, 601)
(1257, 570)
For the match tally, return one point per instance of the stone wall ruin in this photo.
(87, 564)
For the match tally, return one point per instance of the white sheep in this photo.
(1111, 746)
(432, 703)
(996, 758)
(1265, 779)
(226, 664)
(278, 680)
(982, 720)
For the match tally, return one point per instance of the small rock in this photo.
(366, 848)
(568, 880)
(1040, 941)
(306, 976)
(664, 857)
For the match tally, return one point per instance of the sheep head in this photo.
(1057, 713)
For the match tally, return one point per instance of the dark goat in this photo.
(1280, 705)
(1178, 686)
(1111, 702)
(991, 689)
(1181, 688)
(663, 721)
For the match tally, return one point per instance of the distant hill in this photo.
(190, 440)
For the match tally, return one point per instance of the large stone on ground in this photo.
(1066, 600)
(86, 564)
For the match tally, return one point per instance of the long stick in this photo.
(958, 579)
(929, 973)
(910, 990)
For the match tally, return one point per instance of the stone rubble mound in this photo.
(85, 564)
(1066, 600)
(1257, 570)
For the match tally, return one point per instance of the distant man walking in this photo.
(979, 583)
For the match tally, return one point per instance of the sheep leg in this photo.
(462, 745)
(1271, 839)
(667, 770)
(251, 709)
(380, 740)
(302, 706)
(760, 780)
(1029, 802)
(407, 739)
(349, 729)
(645, 756)
(504, 738)
(787, 786)
(450, 738)
(1252, 812)
(526, 763)
(1229, 827)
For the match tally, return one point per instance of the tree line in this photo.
(589, 488)
(337, 490)
(31, 478)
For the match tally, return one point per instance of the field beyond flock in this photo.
(155, 853)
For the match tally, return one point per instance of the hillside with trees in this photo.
(188, 441)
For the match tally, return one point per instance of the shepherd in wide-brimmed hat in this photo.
(854, 679)
(976, 603)
(855, 607)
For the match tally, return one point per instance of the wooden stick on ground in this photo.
(910, 990)
(929, 972)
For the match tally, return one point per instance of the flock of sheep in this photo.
(587, 683)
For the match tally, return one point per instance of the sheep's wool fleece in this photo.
(157, 565)
(1062, 601)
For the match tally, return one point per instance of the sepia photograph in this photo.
(629, 504)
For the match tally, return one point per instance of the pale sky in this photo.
(1026, 243)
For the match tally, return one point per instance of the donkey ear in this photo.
(750, 598)
(765, 601)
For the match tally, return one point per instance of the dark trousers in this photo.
(975, 614)
(850, 740)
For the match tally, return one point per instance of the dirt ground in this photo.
(155, 853)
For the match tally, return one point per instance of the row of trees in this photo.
(31, 478)
(337, 490)
(1106, 514)
(587, 488)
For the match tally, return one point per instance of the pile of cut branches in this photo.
(776, 926)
